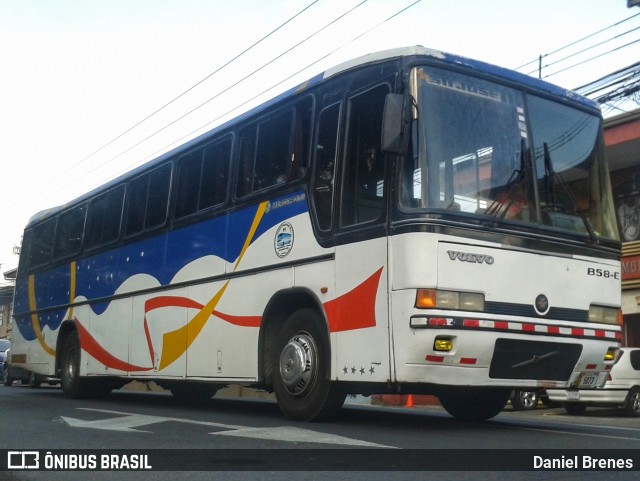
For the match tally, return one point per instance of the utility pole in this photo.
(540, 66)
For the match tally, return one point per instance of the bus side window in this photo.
(148, 200)
(68, 238)
(215, 172)
(245, 160)
(273, 153)
(103, 218)
(301, 138)
(326, 150)
(41, 243)
(159, 184)
(202, 178)
(189, 175)
(363, 186)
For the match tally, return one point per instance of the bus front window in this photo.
(493, 153)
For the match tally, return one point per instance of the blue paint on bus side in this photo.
(98, 277)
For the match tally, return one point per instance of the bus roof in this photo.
(414, 51)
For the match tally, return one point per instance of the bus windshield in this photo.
(506, 156)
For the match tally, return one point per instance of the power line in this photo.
(229, 87)
(182, 94)
(578, 41)
(619, 76)
(273, 86)
(137, 124)
(213, 121)
(593, 58)
(234, 84)
(575, 54)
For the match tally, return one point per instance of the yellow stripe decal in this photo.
(34, 317)
(175, 343)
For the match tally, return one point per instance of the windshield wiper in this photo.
(550, 177)
(516, 186)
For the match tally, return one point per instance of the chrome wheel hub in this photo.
(299, 364)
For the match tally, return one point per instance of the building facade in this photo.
(622, 140)
(6, 311)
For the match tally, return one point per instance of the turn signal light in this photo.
(438, 299)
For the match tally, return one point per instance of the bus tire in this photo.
(34, 381)
(302, 387)
(73, 385)
(474, 404)
(6, 379)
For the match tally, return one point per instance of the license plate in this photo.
(587, 379)
(573, 395)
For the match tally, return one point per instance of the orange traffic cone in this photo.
(409, 401)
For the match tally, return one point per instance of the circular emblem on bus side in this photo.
(541, 305)
(283, 242)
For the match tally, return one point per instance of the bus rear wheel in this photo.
(474, 404)
(73, 385)
(301, 383)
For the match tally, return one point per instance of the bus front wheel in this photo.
(301, 383)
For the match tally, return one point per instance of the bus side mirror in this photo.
(395, 135)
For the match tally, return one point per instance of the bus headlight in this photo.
(460, 301)
(604, 315)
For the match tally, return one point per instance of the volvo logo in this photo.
(541, 305)
(468, 257)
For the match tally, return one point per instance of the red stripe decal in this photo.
(91, 346)
(356, 309)
(242, 321)
(468, 360)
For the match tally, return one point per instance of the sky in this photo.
(80, 79)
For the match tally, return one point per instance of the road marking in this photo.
(129, 422)
(297, 435)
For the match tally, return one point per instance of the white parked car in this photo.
(622, 388)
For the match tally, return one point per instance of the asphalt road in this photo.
(251, 439)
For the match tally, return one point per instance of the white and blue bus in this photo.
(408, 222)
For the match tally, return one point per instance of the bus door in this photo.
(360, 325)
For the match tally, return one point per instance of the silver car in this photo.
(622, 388)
